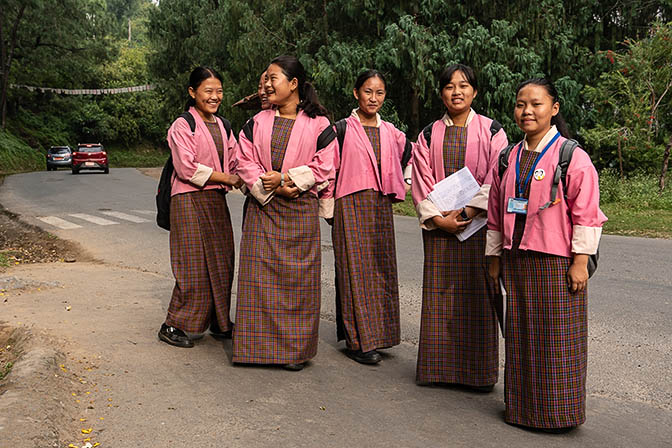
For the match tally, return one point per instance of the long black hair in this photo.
(197, 76)
(308, 101)
(368, 74)
(558, 119)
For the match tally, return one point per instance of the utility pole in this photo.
(129, 30)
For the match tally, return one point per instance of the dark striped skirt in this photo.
(202, 256)
(366, 271)
(278, 300)
(546, 341)
(458, 327)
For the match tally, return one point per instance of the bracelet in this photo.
(282, 180)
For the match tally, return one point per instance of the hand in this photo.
(289, 190)
(494, 268)
(235, 181)
(407, 187)
(270, 180)
(449, 222)
(472, 211)
(577, 275)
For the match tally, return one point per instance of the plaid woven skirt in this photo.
(546, 341)
(458, 327)
(202, 256)
(366, 271)
(278, 301)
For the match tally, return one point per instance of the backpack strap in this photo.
(248, 129)
(427, 132)
(341, 126)
(406, 156)
(227, 125)
(560, 175)
(326, 137)
(190, 120)
(504, 159)
(495, 127)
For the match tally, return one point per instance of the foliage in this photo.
(631, 103)
(15, 155)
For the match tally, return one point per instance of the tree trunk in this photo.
(6, 64)
(415, 113)
(620, 155)
(666, 162)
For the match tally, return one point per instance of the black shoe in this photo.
(217, 333)
(564, 430)
(294, 367)
(482, 389)
(175, 336)
(370, 357)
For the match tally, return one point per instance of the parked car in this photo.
(89, 156)
(58, 156)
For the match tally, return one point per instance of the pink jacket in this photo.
(428, 167)
(572, 226)
(356, 162)
(195, 155)
(306, 166)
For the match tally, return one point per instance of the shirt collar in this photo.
(449, 121)
(544, 141)
(354, 114)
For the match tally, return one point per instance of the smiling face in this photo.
(279, 89)
(458, 94)
(534, 110)
(262, 92)
(208, 97)
(371, 95)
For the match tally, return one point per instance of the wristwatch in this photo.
(464, 216)
(408, 180)
(282, 179)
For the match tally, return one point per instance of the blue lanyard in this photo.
(520, 189)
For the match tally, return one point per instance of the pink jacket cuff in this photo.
(426, 210)
(201, 175)
(302, 176)
(481, 198)
(261, 195)
(326, 210)
(585, 239)
(493, 243)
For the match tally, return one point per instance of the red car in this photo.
(89, 156)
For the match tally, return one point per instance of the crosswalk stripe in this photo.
(94, 219)
(58, 222)
(145, 212)
(125, 216)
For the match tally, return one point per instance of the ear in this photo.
(356, 94)
(293, 84)
(555, 109)
(475, 93)
(192, 92)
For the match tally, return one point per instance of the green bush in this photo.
(15, 155)
(639, 191)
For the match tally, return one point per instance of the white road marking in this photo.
(58, 222)
(145, 212)
(94, 219)
(125, 216)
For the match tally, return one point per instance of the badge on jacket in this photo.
(539, 174)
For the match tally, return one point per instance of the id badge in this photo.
(517, 205)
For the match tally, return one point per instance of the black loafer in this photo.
(482, 389)
(294, 367)
(370, 357)
(175, 336)
(217, 333)
(564, 430)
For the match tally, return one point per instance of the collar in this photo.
(544, 141)
(354, 114)
(449, 121)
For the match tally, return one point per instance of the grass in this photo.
(4, 260)
(16, 156)
(4, 371)
(633, 205)
(142, 156)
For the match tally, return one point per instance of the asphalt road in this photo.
(630, 334)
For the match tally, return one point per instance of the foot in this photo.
(564, 430)
(217, 333)
(175, 336)
(482, 389)
(294, 367)
(370, 357)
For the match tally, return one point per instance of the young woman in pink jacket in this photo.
(540, 246)
(370, 178)
(458, 330)
(201, 238)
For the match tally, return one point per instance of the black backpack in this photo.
(342, 125)
(560, 175)
(165, 182)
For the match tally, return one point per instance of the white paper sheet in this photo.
(474, 226)
(503, 325)
(455, 191)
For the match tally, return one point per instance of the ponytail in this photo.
(558, 121)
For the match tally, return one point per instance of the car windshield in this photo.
(90, 148)
(59, 150)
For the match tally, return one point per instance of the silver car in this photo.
(59, 156)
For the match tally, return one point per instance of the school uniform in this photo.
(278, 298)
(546, 324)
(202, 249)
(369, 178)
(458, 331)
